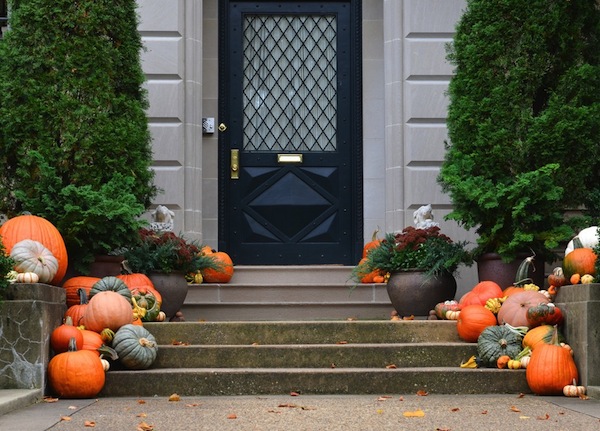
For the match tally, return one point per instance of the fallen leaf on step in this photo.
(455, 409)
(523, 417)
(414, 414)
(174, 397)
(50, 399)
(141, 402)
(65, 418)
(89, 424)
(231, 416)
(294, 394)
(411, 317)
(391, 366)
(141, 415)
(384, 398)
(514, 409)
(143, 426)
(422, 393)
(72, 407)
(342, 342)
(543, 418)
(192, 405)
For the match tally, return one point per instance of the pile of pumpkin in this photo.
(107, 326)
(519, 327)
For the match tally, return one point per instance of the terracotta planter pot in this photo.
(412, 293)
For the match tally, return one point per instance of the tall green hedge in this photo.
(524, 121)
(75, 146)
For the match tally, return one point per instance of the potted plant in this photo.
(167, 258)
(74, 139)
(523, 121)
(421, 263)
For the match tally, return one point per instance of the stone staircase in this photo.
(274, 330)
(310, 357)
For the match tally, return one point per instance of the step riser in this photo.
(263, 302)
(285, 275)
(314, 356)
(325, 332)
(272, 381)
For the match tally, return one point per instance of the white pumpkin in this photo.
(33, 256)
(27, 277)
(588, 237)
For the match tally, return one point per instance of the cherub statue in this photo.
(423, 217)
(162, 219)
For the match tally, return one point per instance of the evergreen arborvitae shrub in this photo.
(523, 121)
(74, 140)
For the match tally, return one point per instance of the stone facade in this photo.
(405, 76)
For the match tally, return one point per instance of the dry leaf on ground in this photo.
(65, 418)
(414, 414)
(231, 416)
(174, 397)
(89, 424)
(515, 409)
(422, 393)
(143, 426)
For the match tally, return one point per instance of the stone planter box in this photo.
(581, 306)
(28, 314)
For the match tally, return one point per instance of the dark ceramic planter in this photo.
(173, 288)
(413, 293)
(490, 267)
(106, 265)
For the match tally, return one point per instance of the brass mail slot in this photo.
(289, 158)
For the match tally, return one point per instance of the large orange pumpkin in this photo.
(76, 374)
(580, 261)
(73, 284)
(482, 291)
(223, 274)
(472, 320)
(551, 368)
(38, 229)
(107, 309)
(514, 309)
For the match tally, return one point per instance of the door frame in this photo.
(357, 217)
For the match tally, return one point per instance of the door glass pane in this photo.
(289, 83)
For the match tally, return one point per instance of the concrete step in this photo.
(257, 381)
(300, 332)
(321, 357)
(292, 274)
(315, 355)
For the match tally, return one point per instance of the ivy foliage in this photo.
(523, 121)
(74, 139)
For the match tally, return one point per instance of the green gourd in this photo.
(110, 283)
(135, 346)
(496, 341)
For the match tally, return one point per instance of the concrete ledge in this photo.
(15, 399)
(581, 307)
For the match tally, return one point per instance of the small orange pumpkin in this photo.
(224, 273)
(76, 312)
(579, 261)
(472, 320)
(92, 341)
(61, 336)
(374, 243)
(482, 291)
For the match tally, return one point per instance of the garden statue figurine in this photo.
(162, 219)
(423, 217)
